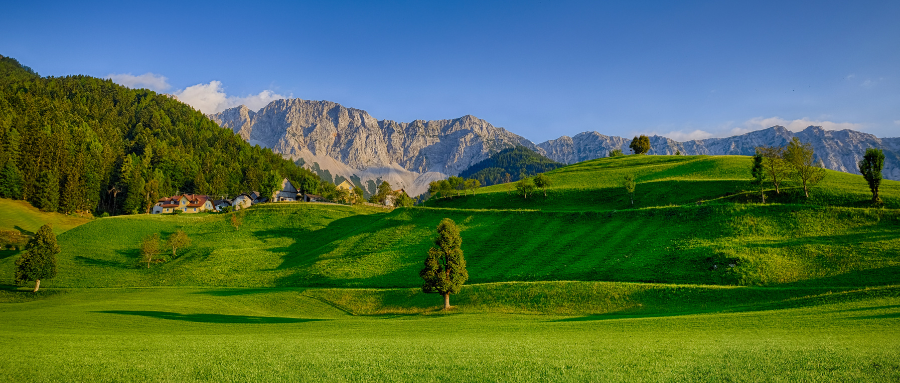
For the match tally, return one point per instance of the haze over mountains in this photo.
(345, 143)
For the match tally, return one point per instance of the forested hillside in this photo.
(508, 165)
(79, 143)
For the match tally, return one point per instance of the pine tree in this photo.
(47, 197)
(10, 181)
(39, 260)
(445, 268)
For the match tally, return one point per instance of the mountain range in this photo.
(346, 143)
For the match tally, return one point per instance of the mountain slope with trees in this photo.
(79, 143)
(509, 165)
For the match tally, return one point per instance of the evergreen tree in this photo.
(10, 181)
(39, 260)
(445, 268)
(47, 198)
(870, 167)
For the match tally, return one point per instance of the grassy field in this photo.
(339, 246)
(184, 335)
(667, 181)
(22, 217)
(575, 286)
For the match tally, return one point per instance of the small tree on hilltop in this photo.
(39, 260)
(542, 181)
(150, 248)
(759, 174)
(870, 167)
(801, 158)
(178, 240)
(773, 164)
(616, 153)
(445, 268)
(640, 145)
(629, 185)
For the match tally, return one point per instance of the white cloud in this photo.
(681, 135)
(796, 125)
(211, 98)
(154, 82)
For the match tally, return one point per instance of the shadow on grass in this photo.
(211, 318)
(882, 316)
(236, 292)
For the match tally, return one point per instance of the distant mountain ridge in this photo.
(839, 150)
(346, 143)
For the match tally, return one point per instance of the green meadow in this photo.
(697, 281)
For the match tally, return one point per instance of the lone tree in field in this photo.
(149, 248)
(178, 240)
(525, 186)
(39, 260)
(640, 145)
(445, 268)
(801, 158)
(759, 175)
(773, 164)
(542, 181)
(870, 167)
(628, 183)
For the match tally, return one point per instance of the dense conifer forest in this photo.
(84, 144)
(509, 165)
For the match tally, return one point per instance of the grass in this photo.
(340, 246)
(187, 335)
(668, 181)
(577, 286)
(21, 216)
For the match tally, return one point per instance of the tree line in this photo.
(83, 144)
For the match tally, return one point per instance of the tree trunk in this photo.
(37, 284)
(446, 301)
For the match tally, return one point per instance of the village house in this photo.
(242, 201)
(312, 198)
(186, 203)
(346, 185)
(220, 204)
(286, 193)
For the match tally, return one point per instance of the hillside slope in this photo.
(725, 242)
(666, 181)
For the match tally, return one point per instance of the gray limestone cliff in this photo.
(352, 144)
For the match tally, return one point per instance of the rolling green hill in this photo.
(667, 181)
(670, 290)
(719, 242)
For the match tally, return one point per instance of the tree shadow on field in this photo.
(236, 292)
(211, 318)
(102, 262)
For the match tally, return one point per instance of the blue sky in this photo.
(544, 69)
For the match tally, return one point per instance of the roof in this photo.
(313, 196)
(193, 200)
